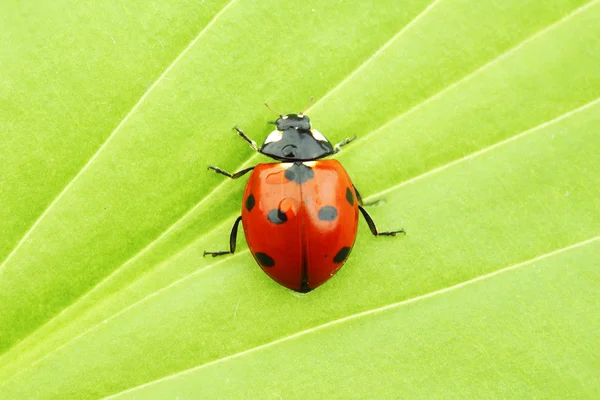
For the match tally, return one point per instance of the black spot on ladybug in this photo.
(250, 202)
(276, 216)
(264, 259)
(328, 213)
(349, 196)
(299, 173)
(341, 255)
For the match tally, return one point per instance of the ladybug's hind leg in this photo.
(232, 240)
(232, 176)
(372, 226)
(369, 220)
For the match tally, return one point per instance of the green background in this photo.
(479, 129)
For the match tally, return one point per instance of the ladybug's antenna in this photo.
(310, 103)
(270, 109)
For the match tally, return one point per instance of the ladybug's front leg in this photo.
(370, 221)
(246, 138)
(232, 176)
(232, 240)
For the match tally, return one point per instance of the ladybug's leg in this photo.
(232, 176)
(372, 226)
(246, 138)
(232, 240)
(338, 147)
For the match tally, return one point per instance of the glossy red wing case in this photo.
(300, 221)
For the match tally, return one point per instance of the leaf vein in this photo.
(93, 158)
(482, 68)
(486, 149)
(113, 133)
(364, 314)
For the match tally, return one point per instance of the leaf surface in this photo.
(477, 129)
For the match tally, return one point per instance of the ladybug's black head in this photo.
(294, 140)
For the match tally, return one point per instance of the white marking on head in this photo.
(274, 136)
(284, 117)
(318, 135)
(284, 165)
(310, 163)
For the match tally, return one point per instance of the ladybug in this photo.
(300, 214)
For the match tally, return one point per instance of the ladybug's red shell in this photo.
(300, 220)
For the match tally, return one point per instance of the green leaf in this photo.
(446, 344)
(478, 130)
